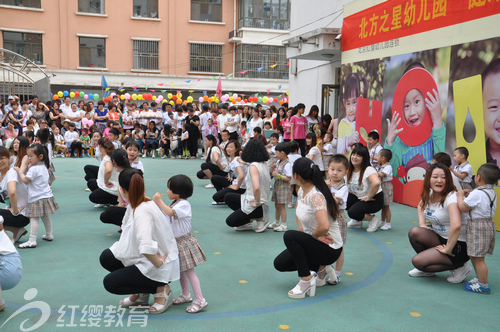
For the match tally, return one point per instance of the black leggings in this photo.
(91, 172)
(14, 221)
(76, 146)
(238, 217)
(221, 184)
(99, 196)
(302, 146)
(113, 215)
(125, 280)
(304, 253)
(213, 168)
(193, 145)
(428, 259)
(356, 209)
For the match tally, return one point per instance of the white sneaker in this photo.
(153, 155)
(281, 228)
(458, 275)
(261, 226)
(99, 206)
(290, 205)
(87, 189)
(417, 273)
(354, 224)
(218, 203)
(274, 224)
(62, 155)
(209, 185)
(386, 227)
(246, 227)
(373, 225)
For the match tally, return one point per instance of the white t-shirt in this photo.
(374, 151)
(137, 134)
(113, 179)
(221, 121)
(439, 217)
(204, 120)
(363, 190)
(21, 190)
(387, 170)
(137, 164)
(66, 109)
(311, 122)
(233, 171)
(78, 124)
(58, 139)
(181, 221)
(284, 170)
(465, 167)
(222, 157)
(26, 115)
(70, 136)
(231, 118)
(328, 149)
(316, 157)
(479, 201)
(6, 245)
(179, 119)
(340, 191)
(254, 124)
(292, 157)
(306, 212)
(38, 187)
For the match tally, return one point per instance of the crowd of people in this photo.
(251, 158)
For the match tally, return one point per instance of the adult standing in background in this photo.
(66, 106)
(313, 117)
(192, 122)
(298, 127)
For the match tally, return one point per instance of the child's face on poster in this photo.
(350, 108)
(491, 105)
(414, 107)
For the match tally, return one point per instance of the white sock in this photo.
(337, 272)
(33, 229)
(48, 225)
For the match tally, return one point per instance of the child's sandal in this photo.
(197, 306)
(181, 299)
(27, 244)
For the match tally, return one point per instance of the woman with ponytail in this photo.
(145, 259)
(318, 243)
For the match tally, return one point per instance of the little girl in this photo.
(184, 142)
(47, 140)
(313, 152)
(41, 202)
(180, 188)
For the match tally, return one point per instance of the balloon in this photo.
(72, 94)
(169, 96)
(66, 93)
(140, 97)
(275, 100)
(281, 102)
(245, 100)
(77, 94)
(201, 100)
(174, 97)
(164, 101)
(238, 99)
(235, 95)
(205, 98)
(216, 99)
(82, 93)
(112, 94)
(85, 96)
(134, 96)
(179, 95)
(259, 100)
(189, 99)
(96, 97)
(209, 100)
(127, 96)
(60, 94)
(234, 101)
(171, 103)
(265, 99)
(55, 97)
(144, 95)
(160, 97)
(157, 101)
(91, 96)
(179, 101)
(231, 98)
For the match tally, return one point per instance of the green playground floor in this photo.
(244, 291)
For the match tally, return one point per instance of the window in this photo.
(252, 57)
(91, 6)
(26, 44)
(146, 8)
(145, 54)
(206, 10)
(205, 58)
(22, 3)
(92, 52)
(265, 14)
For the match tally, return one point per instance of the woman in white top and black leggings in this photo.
(105, 187)
(146, 258)
(318, 243)
(365, 195)
(216, 162)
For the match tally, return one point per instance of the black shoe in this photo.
(81, 156)
(72, 156)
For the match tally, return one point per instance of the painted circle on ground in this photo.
(415, 314)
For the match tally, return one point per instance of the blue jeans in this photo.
(11, 270)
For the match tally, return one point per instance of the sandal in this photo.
(27, 244)
(181, 299)
(47, 237)
(197, 306)
(22, 231)
(327, 272)
(142, 300)
(161, 308)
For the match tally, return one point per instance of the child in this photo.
(165, 141)
(491, 79)
(463, 170)
(243, 132)
(85, 139)
(313, 152)
(41, 202)
(183, 145)
(60, 147)
(271, 149)
(280, 132)
(282, 173)
(268, 126)
(480, 204)
(225, 138)
(374, 147)
(110, 125)
(337, 169)
(138, 135)
(180, 188)
(29, 135)
(73, 141)
(65, 127)
(114, 137)
(47, 140)
(292, 157)
(384, 172)
(132, 149)
(327, 149)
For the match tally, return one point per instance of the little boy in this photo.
(72, 141)
(374, 146)
(282, 172)
(225, 138)
(292, 157)
(327, 149)
(114, 135)
(59, 147)
(384, 172)
(280, 132)
(480, 204)
(132, 148)
(463, 170)
(85, 139)
(64, 129)
(336, 170)
(271, 149)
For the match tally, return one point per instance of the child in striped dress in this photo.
(479, 207)
(41, 202)
(180, 188)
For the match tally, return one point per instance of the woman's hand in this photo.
(254, 204)
(392, 128)
(444, 250)
(326, 239)
(367, 199)
(109, 184)
(425, 227)
(233, 186)
(435, 109)
(161, 260)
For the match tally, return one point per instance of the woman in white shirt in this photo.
(145, 259)
(441, 247)
(216, 162)
(256, 121)
(318, 242)
(313, 152)
(365, 194)
(105, 187)
(254, 204)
